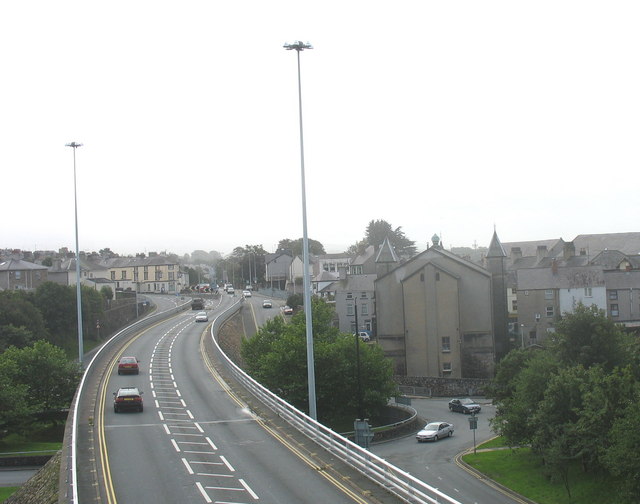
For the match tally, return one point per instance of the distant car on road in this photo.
(267, 303)
(246, 293)
(202, 317)
(128, 365)
(287, 310)
(231, 291)
(466, 406)
(127, 398)
(434, 431)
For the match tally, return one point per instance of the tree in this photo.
(276, 357)
(587, 337)
(50, 378)
(47, 261)
(622, 458)
(19, 319)
(11, 335)
(14, 405)
(375, 235)
(295, 246)
(107, 292)
(57, 304)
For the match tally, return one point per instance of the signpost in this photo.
(473, 425)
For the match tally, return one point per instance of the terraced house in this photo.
(153, 275)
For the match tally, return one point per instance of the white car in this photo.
(434, 431)
(246, 293)
(267, 303)
(202, 317)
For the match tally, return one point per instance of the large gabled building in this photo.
(434, 313)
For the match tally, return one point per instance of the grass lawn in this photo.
(6, 492)
(521, 470)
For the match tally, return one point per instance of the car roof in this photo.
(127, 358)
(128, 390)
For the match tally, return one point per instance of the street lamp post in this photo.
(74, 146)
(359, 383)
(298, 47)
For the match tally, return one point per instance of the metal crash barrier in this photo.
(390, 477)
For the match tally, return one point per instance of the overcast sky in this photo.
(440, 117)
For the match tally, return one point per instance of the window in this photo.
(113, 275)
(614, 310)
(146, 274)
(349, 295)
(171, 275)
(363, 295)
(171, 266)
(350, 309)
(514, 291)
(446, 344)
(588, 292)
(422, 277)
(365, 309)
(549, 311)
(123, 275)
(437, 276)
(514, 305)
(18, 275)
(548, 294)
(446, 367)
(613, 295)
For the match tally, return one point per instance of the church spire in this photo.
(495, 248)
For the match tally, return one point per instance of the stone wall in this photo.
(429, 386)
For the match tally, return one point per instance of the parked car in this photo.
(465, 406)
(246, 293)
(364, 335)
(127, 398)
(202, 317)
(434, 431)
(267, 303)
(128, 365)
(287, 310)
(231, 291)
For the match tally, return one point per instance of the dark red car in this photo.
(128, 365)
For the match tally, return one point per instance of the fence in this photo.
(390, 477)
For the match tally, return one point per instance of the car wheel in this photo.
(435, 438)
(119, 372)
(138, 372)
(115, 409)
(141, 408)
(450, 433)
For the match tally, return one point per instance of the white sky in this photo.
(440, 117)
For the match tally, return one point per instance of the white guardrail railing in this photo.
(390, 477)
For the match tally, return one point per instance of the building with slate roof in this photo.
(16, 274)
(434, 314)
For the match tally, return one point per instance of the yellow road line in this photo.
(291, 447)
(102, 395)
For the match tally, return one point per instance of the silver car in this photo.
(434, 431)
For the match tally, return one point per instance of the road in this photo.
(434, 462)
(195, 442)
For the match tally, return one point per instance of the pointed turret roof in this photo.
(495, 248)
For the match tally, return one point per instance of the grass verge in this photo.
(6, 492)
(522, 471)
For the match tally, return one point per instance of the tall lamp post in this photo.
(74, 146)
(299, 47)
(359, 383)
